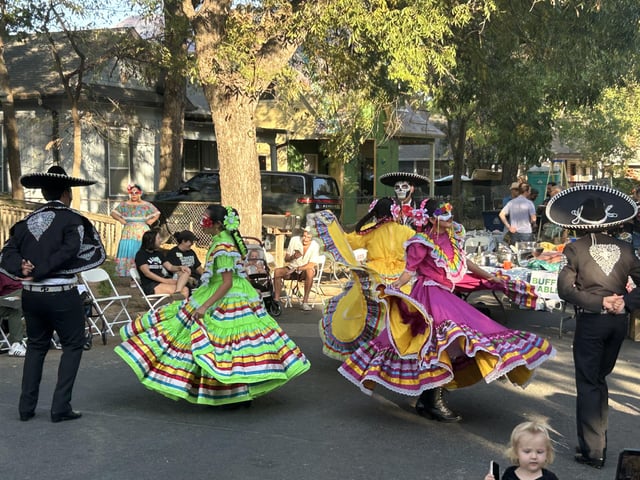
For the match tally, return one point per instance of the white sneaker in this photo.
(306, 307)
(17, 350)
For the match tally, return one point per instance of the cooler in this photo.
(492, 220)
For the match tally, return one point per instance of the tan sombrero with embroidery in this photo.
(391, 178)
(590, 208)
(55, 178)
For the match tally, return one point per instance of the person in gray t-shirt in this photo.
(518, 215)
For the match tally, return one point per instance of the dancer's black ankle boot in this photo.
(431, 405)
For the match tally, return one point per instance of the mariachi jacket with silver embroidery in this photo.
(58, 241)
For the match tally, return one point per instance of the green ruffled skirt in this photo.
(235, 353)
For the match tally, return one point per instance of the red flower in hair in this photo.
(131, 187)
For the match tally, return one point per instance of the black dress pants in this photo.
(596, 345)
(44, 313)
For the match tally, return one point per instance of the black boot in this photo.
(431, 405)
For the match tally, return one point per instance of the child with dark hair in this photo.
(220, 346)
(156, 273)
(182, 255)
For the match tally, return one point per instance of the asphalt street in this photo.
(318, 426)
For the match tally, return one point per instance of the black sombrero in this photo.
(590, 207)
(391, 178)
(55, 178)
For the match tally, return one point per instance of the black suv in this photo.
(283, 193)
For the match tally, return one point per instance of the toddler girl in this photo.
(530, 450)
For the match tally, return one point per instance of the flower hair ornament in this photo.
(231, 220)
(131, 186)
(443, 211)
(420, 215)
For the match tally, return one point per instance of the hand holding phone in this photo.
(494, 468)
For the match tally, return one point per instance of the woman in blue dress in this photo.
(135, 215)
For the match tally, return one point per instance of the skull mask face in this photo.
(403, 190)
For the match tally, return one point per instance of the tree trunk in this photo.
(10, 128)
(233, 116)
(510, 173)
(172, 132)
(457, 132)
(77, 152)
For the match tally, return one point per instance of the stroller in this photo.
(257, 268)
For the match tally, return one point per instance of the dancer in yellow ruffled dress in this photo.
(354, 316)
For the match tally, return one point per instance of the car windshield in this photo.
(325, 187)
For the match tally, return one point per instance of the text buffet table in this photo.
(545, 284)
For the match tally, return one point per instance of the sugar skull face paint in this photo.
(402, 189)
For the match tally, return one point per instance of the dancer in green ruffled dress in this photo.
(220, 346)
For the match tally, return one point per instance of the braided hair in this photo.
(380, 210)
(230, 220)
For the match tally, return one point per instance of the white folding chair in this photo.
(294, 289)
(11, 301)
(97, 281)
(316, 287)
(154, 299)
(4, 338)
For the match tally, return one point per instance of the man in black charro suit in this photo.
(595, 280)
(45, 251)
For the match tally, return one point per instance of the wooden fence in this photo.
(106, 226)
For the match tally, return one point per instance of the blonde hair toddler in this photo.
(531, 451)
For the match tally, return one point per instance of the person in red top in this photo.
(10, 293)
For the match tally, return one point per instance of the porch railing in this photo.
(106, 226)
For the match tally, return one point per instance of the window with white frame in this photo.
(118, 160)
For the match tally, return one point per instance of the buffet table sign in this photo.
(545, 283)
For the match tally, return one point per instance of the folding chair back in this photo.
(154, 299)
(10, 301)
(111, 308)
(316, 287)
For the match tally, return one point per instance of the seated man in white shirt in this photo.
(299, 255)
